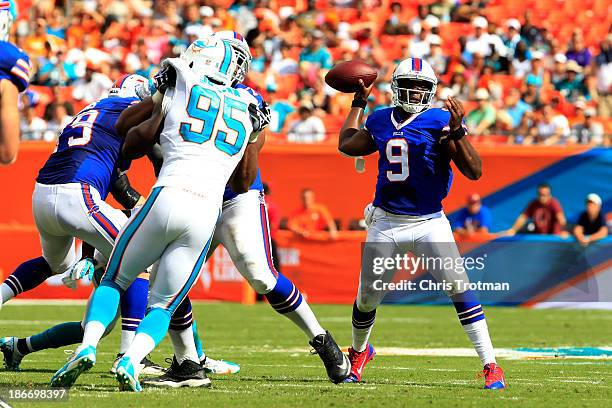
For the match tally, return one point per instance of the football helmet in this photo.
(127, 86)
(242, 50)
(213, 58)
(8, 14)
(413, 85)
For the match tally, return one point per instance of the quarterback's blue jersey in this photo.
(14, 65)
(257, 184)
(89, 148)
(414, 172)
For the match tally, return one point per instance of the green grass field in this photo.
(278, 371)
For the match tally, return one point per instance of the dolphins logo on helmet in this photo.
(213, 58)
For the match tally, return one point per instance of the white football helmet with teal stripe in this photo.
(413, 85)
(213, 58)
(243, 53)
(8, 14)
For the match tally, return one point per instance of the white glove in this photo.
(368, 214)
(69, 282)
(85, 267)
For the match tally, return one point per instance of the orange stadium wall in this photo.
(288, 169)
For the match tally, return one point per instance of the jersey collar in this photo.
(397, 125)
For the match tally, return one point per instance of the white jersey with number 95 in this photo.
(206, 130)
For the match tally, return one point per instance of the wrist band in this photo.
(359, 103)
(457, 134)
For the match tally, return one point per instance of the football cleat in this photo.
(359, 361)
(127, 376)
(113, 369)
(336, 363)
(146, 367)
(12, 356)
(187, 374)
(81, 361)
(494, 377)
(219, 367)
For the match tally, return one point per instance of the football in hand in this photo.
(345, 76)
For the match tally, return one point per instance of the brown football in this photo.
(345, 76)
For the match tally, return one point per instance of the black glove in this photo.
(260, 116)
(165, 78)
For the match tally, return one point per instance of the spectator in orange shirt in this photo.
(312, 217)
(35, 43)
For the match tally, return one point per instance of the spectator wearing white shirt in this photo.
(416, 23)
(436, 57)
(496, 44)
(59, 120)
(92, 87)
(551, 129)
(521, 65)
(588, 132)
(419, 46)
(32, 127)
(285, 65)
(308, 128)
(513, 35)
(479, 43)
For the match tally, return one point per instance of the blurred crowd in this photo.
(520, 83)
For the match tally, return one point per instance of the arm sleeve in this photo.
(124, 193)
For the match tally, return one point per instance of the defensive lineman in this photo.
(243, 230)
(416, 144)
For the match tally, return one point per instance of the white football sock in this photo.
(184, 345)
(127, 337)
(94, 331)
(142, 345)
(361, 337)
(305, 320)
(6, 293)
(478, 332)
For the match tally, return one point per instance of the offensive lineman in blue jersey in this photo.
(14, 78)
(416, 144)
(68, 202)
(244, 231)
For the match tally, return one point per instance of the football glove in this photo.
(368, 214)
(145, 90)
(165, 78)
(260, 116)
(85, 267)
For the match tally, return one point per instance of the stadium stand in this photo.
(497, 45)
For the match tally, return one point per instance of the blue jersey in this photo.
(89, 148)
(14, 65)
(414, 172)
(257, 184)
